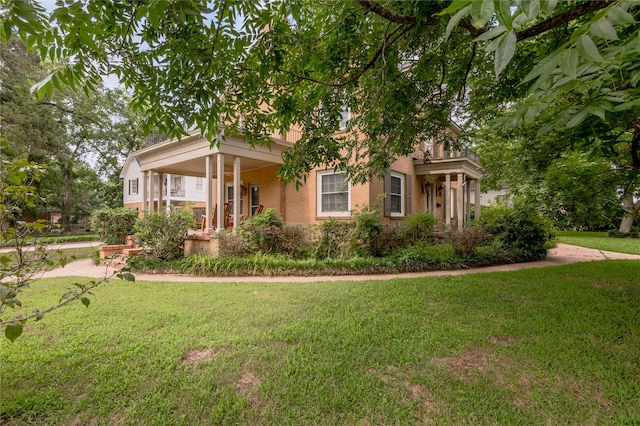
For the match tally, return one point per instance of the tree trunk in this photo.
(630, 212)
(67, 199)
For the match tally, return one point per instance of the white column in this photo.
(220, 195)
(160, 190)
(467, 201)
(446, 199)
(208, 187)
(434, 193)
(145, 191)
(168, 192)
(460, 200)
(236, 191)
(152, 190)
(477, 201)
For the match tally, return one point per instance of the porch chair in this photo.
(227, 215)
(214, 219)
(259, 210)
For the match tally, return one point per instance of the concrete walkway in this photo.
(562, 254)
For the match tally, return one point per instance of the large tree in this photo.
(400, 67)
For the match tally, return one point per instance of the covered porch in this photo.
(221, 168)
(448, 177)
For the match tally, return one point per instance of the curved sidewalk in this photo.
(562, 254)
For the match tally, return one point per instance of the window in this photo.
(177, 186)
(133, 186)
(255, 199)
(199, 184)
(229, 196)
(333, 194)
(397, 191)
(396, 194)
(345, 116)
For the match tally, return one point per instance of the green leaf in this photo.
(548, 6)
(627, 105)
(455, 6)
(455, 20)
(578, 118)
(588, 49)
(504, 11)
(493, 32)
(543, 67)
(127, 276)
(13, 331)
(481, 12)
(85, 301)
(505, 51)
(619, 16)
(604, 29)
(569, 62)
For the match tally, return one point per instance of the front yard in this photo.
(599, 240)
(554, 345)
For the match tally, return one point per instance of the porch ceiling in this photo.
(444, 167)
(188, 156)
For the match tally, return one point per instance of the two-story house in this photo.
(433, 179)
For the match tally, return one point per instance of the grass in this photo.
(600, 241)
(555, 345)
(59, 239)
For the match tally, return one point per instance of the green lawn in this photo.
(543, 346)
(599, 240)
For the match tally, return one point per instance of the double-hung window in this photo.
(397, 201)
(229, 197)
(334, 195)
(133, 186)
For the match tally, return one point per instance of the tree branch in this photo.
(387, 14)
(563, 18)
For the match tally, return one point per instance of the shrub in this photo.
(465, 241)
(333, 239)
(520, 230)
(296, 240)
(232, 243)
(419, 227)
(113, 225)
(614, 233)
(365, 229)
(263, 232)
(163, 234)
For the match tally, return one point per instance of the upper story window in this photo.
(345, 116)
(199, 184)
(177, 186)
(334, 194)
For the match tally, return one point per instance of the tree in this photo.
(401, 68)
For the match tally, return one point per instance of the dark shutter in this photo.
(409, 192)
(387, 195)
(129, 186)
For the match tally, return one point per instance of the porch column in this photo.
(220, 194)
(160, 190)
(467, 203)
(208, 188)
(145, 191)
(477, 207)
(434, 192)
(168, 192)
(152, 190)
(446, 199)
(236, 191)
(460, 200)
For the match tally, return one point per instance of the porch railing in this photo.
(438, 152)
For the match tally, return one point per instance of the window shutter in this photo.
(129, 186)
(387, 195)
(407, 179)
(137, 186)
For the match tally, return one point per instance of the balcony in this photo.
(437, 153)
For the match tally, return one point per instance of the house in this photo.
(433, 179)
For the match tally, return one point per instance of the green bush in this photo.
(333, 239)
(162, 234)
(365, 230)
(614, 233)
(520, 230)
(419, 227)
(232, 243)
(263, 232)
(113, 225)
(296, 240)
